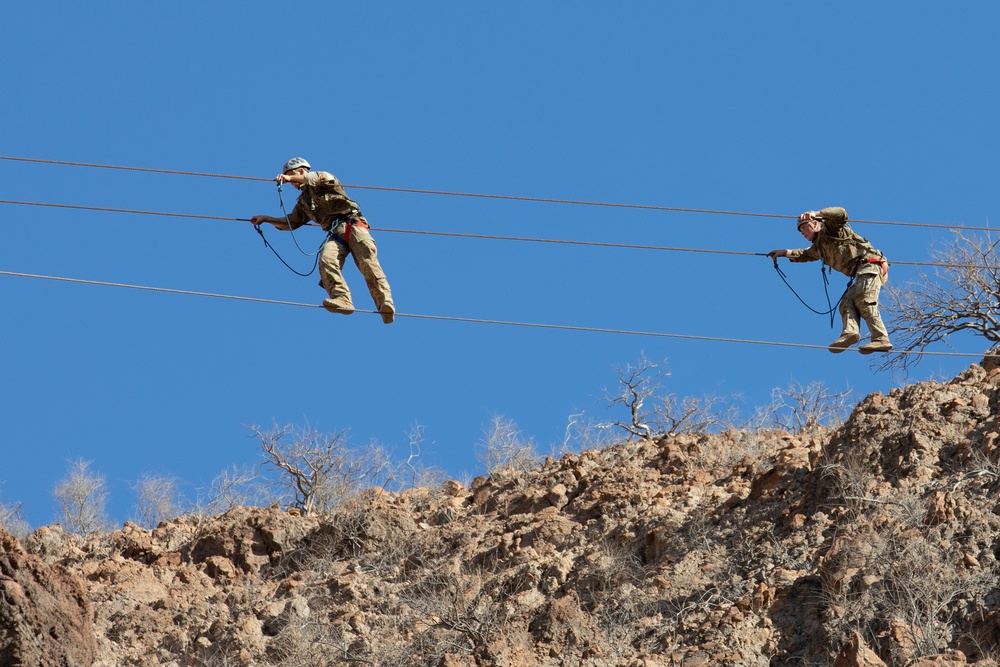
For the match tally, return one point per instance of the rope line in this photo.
(476, 320)
(465, 235)
(451, 193)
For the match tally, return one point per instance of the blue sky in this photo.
(887, 109)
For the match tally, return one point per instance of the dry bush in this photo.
(897, 571)
(505, 453)
(620, 618)
(850, 478)
(82, 497)
(412, 473)
(157, 499)
(313, 471)
(654, 413)
(236, 486)
(963, 295)
(461, 609)
(925, 584)
(12, 521)
(804, 409)
(583, 433)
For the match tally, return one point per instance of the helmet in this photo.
(808, 216)
(295, 163)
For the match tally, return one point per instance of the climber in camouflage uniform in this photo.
(323, 201)
(841, 248)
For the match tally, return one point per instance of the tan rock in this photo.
(856, 653)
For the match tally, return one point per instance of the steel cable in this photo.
(467, 235)
(451, 193)
(477, 320)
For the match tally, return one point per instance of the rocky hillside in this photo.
(872, 544)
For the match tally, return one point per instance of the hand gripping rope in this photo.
(826, 290)
(315, 255)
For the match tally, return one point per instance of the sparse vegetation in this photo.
(157, 499)
(505, 453)
(82, 497)
(316, 471)
(962, 295)
(12, 521)
(653, 412)
(771, 546)
(236, 486)
(803, 409)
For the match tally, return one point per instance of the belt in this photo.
(349, 220)
(872, 260)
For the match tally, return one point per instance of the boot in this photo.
(845, 341)
(387, 312)
(342, 306)
(876, 345)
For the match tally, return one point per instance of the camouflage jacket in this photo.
(323, 201)
(839, 246)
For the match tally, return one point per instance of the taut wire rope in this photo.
(466, 235)
(511, 323)
(451, 193)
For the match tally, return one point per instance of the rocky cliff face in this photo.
(46, 619)
(872, 544)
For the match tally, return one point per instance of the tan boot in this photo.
(876, 345)
(388, 312)
(341, 306)
(845, 341)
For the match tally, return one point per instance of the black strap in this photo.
(298, 273)
(833, 308)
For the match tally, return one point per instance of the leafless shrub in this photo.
(82, 498)
(897, 571)
(803, 409)
(637, 385)
(314, 471)
(846, 604)
(216, 656)
(236, 486)
(583, 433)
(617, 564)
(980, 465)
(906, 508)
(620, 618)
(923, 584)
(306, 641)
(963, 295)
(464, 609)
(12, 521)
(157, 499)
(505, 453)
(850, 476)
(412, 472)
(653, 413)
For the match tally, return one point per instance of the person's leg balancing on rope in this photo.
(841, 248)
(322, 200)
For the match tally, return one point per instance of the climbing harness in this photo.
(826, 289)
(355, 219)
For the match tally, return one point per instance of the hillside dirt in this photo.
(871, 544)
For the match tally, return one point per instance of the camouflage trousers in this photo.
(861, 302)
(361, 247)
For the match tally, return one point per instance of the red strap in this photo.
(361, 222)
